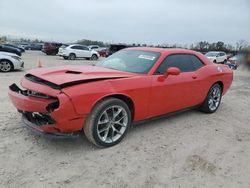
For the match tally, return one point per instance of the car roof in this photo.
(162, 50)
(216, 52)
(77, 45)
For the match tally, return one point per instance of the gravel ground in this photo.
(190, 149)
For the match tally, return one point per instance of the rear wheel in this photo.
(213, 99)
(225, 61)
(94, 57)
(72, 56)
(65, 57)
(108, 122)
(6, 66)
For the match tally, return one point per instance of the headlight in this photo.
(16, 58)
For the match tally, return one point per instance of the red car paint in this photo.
(81, 87)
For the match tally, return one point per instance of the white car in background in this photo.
(10, 61)
(78, 51)
(217, 57)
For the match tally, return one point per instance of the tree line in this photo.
(202, 46)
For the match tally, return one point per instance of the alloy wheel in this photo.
(214, 98)
(5, 66)
(112, 124)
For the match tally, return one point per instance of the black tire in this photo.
(224, 62)
(8, 63)
(215, 61)
(72, 56)
(205, 107)
(91, 125)
(65, 57)
(94, 57)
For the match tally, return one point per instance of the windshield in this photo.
(134, 61)
(211, 54)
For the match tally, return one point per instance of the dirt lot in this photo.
(190, 149)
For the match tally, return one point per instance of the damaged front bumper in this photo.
(50, 116)
(34, 128)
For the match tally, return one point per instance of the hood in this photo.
(71, 75)
(8, 54)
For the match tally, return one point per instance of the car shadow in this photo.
(81, 143)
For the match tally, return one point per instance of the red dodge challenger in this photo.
(131, 85)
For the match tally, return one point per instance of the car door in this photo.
(77, 50)
(221, 57)
(86, 52)
(176, 91)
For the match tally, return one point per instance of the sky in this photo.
(128, 21)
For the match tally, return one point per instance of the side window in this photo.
(85, 48)
(196, 62)
(181, 61)
(76, 47)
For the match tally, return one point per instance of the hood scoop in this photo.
(72, 72)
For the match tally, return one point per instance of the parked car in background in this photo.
(51, 48)
(102, 52)
(217, 57)
(61, 49)
(34, 46)
(23, 45)
(94, 47)
(9, 49)
(229, 55)
(115, 48)
(10, 61)
(78, 51)
(15, 46)
(132, 85)
(237, 59)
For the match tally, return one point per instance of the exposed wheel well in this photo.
(125, 99)
(221, 84)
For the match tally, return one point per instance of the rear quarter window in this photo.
(197, 63)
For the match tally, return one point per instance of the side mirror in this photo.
(172, 71)
(169, 71)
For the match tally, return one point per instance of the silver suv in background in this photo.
(217, 57)
(78, 51)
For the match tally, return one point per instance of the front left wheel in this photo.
(6, 66)
(108, 122)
